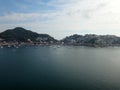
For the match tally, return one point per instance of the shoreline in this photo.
(26, 44)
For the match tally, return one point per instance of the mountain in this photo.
(22, 35)
(92, 40)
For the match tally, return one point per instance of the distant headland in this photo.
(21, 37)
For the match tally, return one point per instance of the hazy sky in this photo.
(60, 18)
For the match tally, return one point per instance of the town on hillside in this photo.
(18, 37)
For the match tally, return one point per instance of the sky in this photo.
(61, 18)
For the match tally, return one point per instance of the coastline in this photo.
(25, 44)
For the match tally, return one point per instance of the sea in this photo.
(60, 68)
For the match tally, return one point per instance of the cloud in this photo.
(67, 17)
(27, 17)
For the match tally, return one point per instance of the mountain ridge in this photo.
(20, 34)
(92, 40)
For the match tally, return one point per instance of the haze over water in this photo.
(60, 68)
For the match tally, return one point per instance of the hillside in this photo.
(22, 35)
(92, 40)
(19, 34)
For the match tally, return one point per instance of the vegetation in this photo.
(22, 35)
(92, 40)
(19, 34)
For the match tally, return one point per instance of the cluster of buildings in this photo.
(29, 42)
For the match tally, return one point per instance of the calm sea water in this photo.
(63, 68)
